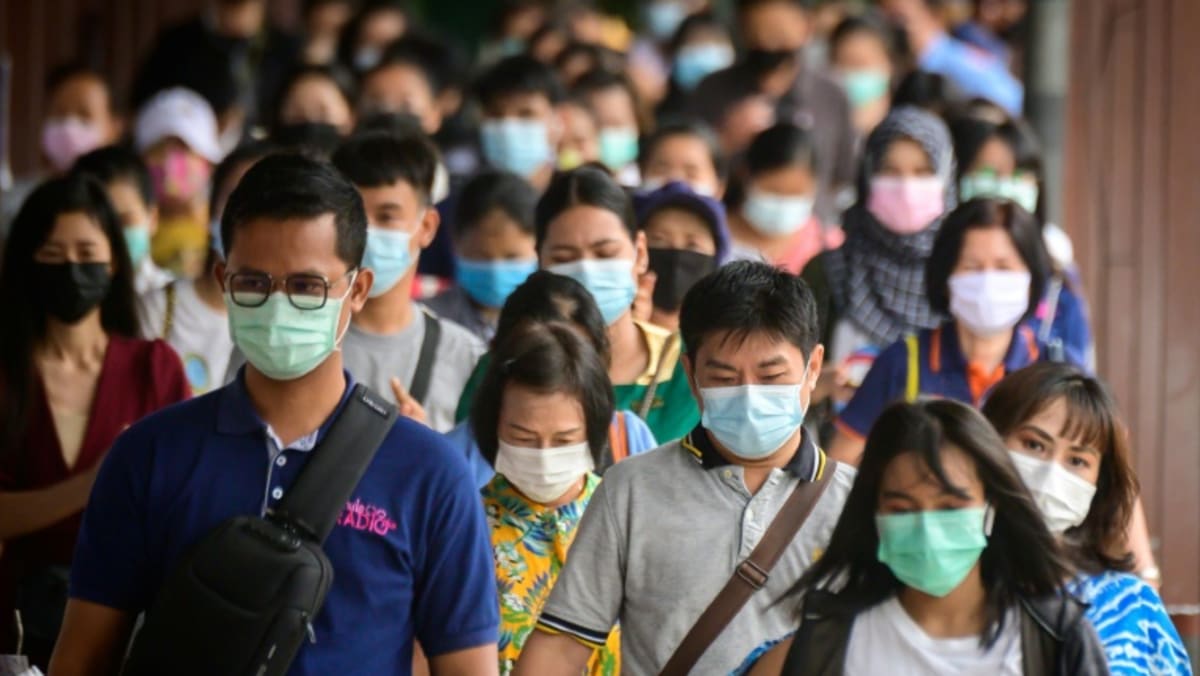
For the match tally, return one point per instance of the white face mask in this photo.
(991, 302)
(544, 474)
(776, 215)
(1063, 497)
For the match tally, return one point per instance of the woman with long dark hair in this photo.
(1069, 445)
(939, 564)
(73, 375)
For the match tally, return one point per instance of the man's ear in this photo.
(359, 290)
(428, 227)
(641, 256)
(219, 273)
(815, 363)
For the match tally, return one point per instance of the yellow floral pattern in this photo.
(530, 543)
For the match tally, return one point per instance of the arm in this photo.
(973, 71)
(1138, 537)
(24, 512)
(481, 661)
(92, 640)
(883, 385)
(771, 664)
(547, 654)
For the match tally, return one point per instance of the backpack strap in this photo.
(419, 387)
(912, 382)
(316, 500)
(169, 313)
(751, 575)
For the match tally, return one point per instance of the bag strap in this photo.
(419, 387)
(618, 438)
(169, 313)
(316, 500)
(912, 383)
(664, 359)
(751, 575)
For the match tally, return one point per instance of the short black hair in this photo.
(776, 147)
(600, 79)
(390, 122)
(435, 57)
(375, 159)
(118, 163)
(683, 127)
(980, 214)
(348, 39)
(246, 153)
(313, 139)
(747, 297)
(294, 186)
(545, 297)
(518, 74)
(63, 73)
(931, 92)
(588, 186)
(695, 22)
(865, 23)
(548, 358)
(492, 190)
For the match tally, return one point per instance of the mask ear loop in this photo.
(337, 343)
(989, 520)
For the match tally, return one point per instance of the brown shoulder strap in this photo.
(169, 314)
(619, 438)
(751, 575)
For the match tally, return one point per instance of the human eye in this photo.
(1033, 446)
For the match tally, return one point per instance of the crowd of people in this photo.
(722, 338)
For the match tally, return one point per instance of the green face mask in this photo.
(932, 551)
(282, 341)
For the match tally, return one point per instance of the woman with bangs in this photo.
(1064, 436)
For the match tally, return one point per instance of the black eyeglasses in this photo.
(304, 291)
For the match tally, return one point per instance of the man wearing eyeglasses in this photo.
(410, 551)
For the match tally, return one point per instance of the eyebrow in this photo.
(602, 242)
(1037, 431)
(895, 495)
(716, 364)
(777, 360)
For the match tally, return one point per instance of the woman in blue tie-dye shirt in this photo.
(1062, 429)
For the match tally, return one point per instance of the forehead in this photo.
(285, 246)
(124, 194)
(83, 87)
(680, 147)
(398, 76)
(906, 151)
(583, 224)
(991, 241)
(527, 407)
(908, 473)
(75, 226)
(746, 350)
(397, 192)
(675, 219)
(517, 101)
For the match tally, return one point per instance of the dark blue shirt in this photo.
(942, 371)
(411, 551)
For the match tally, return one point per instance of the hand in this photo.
(643, 301)
(408, 407)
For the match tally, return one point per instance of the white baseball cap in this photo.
(183, 114)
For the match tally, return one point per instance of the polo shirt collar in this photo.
(804, 464)
(1022, 351)
(236, 415)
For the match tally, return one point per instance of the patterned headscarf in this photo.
(877, 276)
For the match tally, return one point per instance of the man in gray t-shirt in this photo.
(666, 530)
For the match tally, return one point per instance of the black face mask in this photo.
(677, 270)
(762, 61)
(71, 290)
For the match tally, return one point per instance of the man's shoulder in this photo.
(663, 464)
(456, 339)
(412, 453)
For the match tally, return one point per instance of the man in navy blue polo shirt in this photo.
(410, 550)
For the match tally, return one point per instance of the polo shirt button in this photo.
(281, 460)
(728, 474)
(277, 493)
(750, 514)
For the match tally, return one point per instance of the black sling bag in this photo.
(242, 600)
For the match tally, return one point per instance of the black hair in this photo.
(519, 74)
(348, 40)
(248, 152)
(865, 23)
(118, 163)
(492, 190)
(287, 186)
(748, 297)
(691, 24)
(980, 214)
(1099, 543)
(601, 58)
(683, 127)
(309, 6)
(1021, 559)
(66, 72)
(548, 357)
(777, 147)
(335, 74)
(970, 133)
(374, 159)
(436, 59)
(599, 79)
(928, 91)
(25, 318)
(545, 297)
(392, 123)
(588, 186)
(742, 6)
(317, 140)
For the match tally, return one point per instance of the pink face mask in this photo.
(907, 205)
(65, 139)
(180, 178)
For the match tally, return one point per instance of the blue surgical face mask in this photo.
(753, 421)
(490, 283)
(282, 341)
(137, 240)
(776, 215)
(618, 146)
(389, 256)
(517, 145)
(609, 280)
(933, 551)
(662, 18)
(693, 63)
